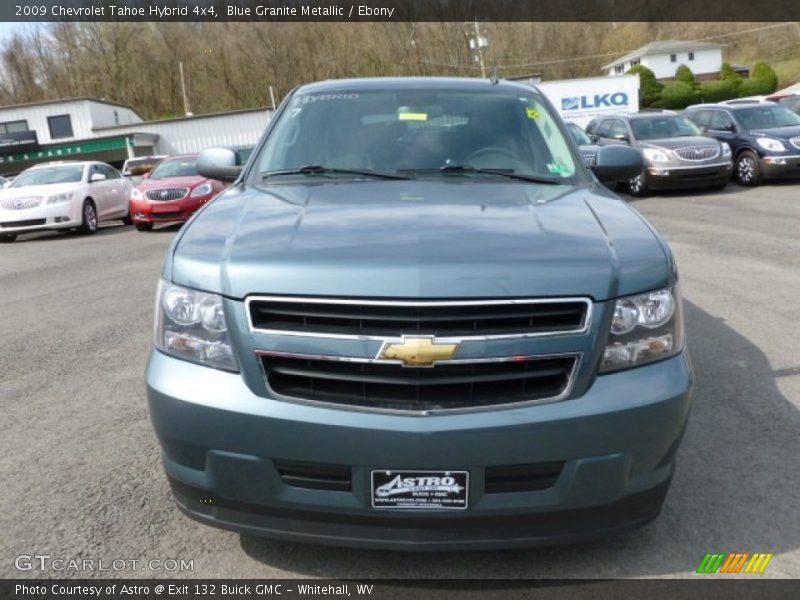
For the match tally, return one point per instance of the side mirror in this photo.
(218, 163)
(617, 163)
(97, 177)
(146, 175)
(594, 138)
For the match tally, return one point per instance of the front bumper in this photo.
(681, 177)
(152, 211)
(617, 443)
(64, 215)
(778, 167)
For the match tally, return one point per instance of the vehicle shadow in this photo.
(109, 228)
(730, 189)
(104, 229)
(735, 489)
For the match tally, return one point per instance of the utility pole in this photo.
(477, 44)
(183, 90)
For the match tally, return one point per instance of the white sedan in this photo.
(63, 195)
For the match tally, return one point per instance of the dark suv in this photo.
(764, 137)
(676, 154)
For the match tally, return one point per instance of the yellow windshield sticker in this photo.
(409, 116)
(533, 113)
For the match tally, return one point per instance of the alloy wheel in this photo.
(746, 169)
(90, 216)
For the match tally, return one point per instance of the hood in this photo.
(190, 182)
(419, 239)
(785, 133)
(680, 142)
(39, 190)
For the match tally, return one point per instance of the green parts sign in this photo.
(67, 150)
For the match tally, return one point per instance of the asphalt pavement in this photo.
(80, 476)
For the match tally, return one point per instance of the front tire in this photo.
(747, 169)
(144, 226)
(7, 238)
(638, 186)
(89, 222)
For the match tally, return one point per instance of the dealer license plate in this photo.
(435, 490)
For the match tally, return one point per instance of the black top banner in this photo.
(398, 10)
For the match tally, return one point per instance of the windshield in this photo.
(140, 166)
(417, 131)
(767, 117)
(657, 128)
(579, 135)
(49, 176)
(177, 167)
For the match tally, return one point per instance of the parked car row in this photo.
(71, 195)
(704, 146)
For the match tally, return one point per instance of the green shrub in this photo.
(717, 91)
(684, 74)
(648, 84)
(764, 72)
(726, 73)
(755, 87)
(676, 94)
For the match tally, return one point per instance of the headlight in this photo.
(655, 155)
(726, 149)
(59, 198)
(202, 190)
(771, 145)
(191, 325)
(136, 194)
(645, 328)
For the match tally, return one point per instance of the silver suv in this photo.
(676, 154)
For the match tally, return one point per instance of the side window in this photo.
(94, 169)
(109, 172)
(701, 118)
(604, 129)
(721, 121)
(619, 128)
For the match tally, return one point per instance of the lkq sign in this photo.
(580, 100)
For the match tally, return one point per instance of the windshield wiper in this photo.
(500, 172)
(321, 170)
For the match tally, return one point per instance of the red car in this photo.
(171, 192)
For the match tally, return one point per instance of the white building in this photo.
(93, 129)
(663, 58)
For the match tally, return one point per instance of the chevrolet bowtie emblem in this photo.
(417, 351)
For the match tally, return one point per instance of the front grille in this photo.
(452, 385)
(28, 223)
(795, 141)
(697, 152)
(166, 194)
(20, 203)
(522, 478)
(344, 318)
(175, 214)
(314, 476)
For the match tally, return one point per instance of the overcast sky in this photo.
(8, 27)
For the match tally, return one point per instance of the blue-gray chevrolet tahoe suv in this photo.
(417, 321)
